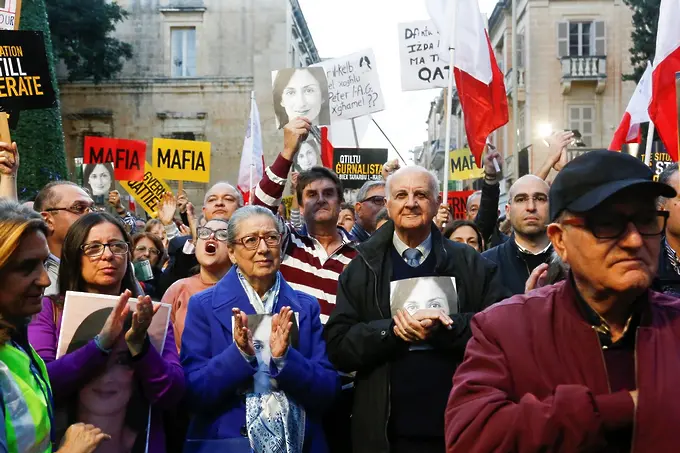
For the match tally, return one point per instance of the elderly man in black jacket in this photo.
(405, 362)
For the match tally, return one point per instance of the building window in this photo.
(520, 49)
(582, 119)
(183, 136)
(581, 39)
(183, 51)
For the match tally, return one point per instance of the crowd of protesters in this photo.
(558, 332)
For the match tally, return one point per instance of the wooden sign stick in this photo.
(18, 15)
(4, 128)
(180, 187)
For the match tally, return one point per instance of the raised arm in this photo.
(9, 168)
(487, 216)
(270, 189)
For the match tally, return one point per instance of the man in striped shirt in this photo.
(313, 259)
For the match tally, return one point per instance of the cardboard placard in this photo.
(463, 166)
(421, 68)
(25, 81)
(353, 85)
(457, 201)
(301, 92)
(114, 391)
(149, 191)
(10, 11)
(181, 160)
(128, 156)
(659, 160)
(355, 166)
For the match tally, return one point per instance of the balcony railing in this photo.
(584, 67)
(510, 80)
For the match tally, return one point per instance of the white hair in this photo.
(434, 181)
(237, 192)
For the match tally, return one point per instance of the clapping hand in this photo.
(558, 142)
(141, 320)
(113, 327)
(242, 334)
(280, 336)
(9, 159)
(167, 208)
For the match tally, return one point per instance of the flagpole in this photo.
(447, 141)
(252, 147)
(648, 145)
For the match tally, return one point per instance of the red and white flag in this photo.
(132, 207)
(479, 80)
(252, 157)
(636, 113)
(663, 109)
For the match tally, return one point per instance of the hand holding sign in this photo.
(9, 159)
(491, 168)
(294, 134)
(114, 200)
(280, 336)
(82, 438)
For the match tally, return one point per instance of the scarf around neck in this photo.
(275, 423)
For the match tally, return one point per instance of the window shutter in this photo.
(520, 49)
(600, 42)
(190, 70)
(562, 39)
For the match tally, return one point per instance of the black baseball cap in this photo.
(591, 178)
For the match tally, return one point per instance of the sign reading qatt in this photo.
(421, 68)
(353, 85)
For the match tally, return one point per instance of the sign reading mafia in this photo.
(182, 160)
(127, 156)
(25, 81)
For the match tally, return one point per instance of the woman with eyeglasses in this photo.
(254, 357)
(213, 260)
(96, 259)
(148, 247)
(27, 407)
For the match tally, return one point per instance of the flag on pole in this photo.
(479, 80)
(252, 157)
(663, 106)
(132, 207)
(636, 113)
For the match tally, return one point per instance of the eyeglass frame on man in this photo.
(587, 222)
(86, 247)
(220, 234)
(86, 209)
(374, 198)
(242, 241)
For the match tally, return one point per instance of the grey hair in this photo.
(665, 178)
(239, 196)
(368, 185)
(471, 197)
(434, 181)
(247, 212)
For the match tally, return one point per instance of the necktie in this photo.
(412, 257)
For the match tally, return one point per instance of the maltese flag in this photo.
(252, 158)
(479, 80)
(636, 113)
(663, 109)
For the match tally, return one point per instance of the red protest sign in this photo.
(128, 156)
(458, 202)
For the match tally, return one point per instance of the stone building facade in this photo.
(195, 63)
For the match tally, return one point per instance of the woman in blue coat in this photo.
(258, 378)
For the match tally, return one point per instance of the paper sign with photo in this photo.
(113, 394)
(98, 180)
(301, 92)
(422, 293)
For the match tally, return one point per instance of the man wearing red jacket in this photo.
(591, 363)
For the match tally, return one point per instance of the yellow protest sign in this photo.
(181, 160)
(147, 193)
(463, 166)
(288, 202)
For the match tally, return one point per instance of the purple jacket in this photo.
(161, 376)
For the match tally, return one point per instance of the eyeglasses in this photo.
(97, 248)
(205, 233)
(151, 250)
(377, 200)
(613, 226)
(253, 242)
(77, 209)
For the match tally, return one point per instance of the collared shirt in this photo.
(425, 247)
(306, 265)
(529, 252)
(52, 268)
(672, 256)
